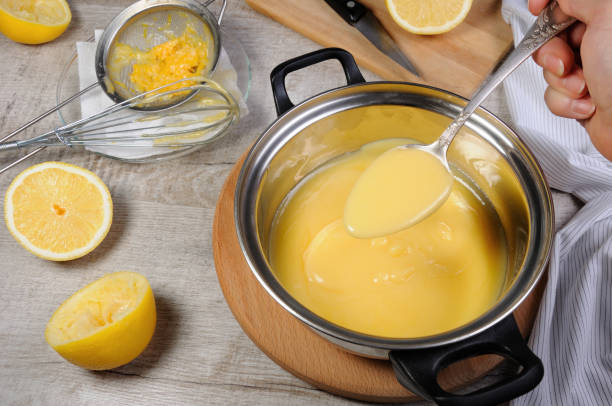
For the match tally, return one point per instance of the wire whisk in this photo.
(196, 120)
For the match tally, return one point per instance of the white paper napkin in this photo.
(96, 100)
(573, 330)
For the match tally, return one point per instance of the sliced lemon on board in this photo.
(106, 324)
(34, 21)
(58, 211)
(428, 16)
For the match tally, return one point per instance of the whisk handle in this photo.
(20, 160)
(7, 146)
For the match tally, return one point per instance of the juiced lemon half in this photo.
(58, 211)
(428, 16)
(106, 324)
(34, 21)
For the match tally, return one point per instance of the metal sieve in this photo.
(164, 20)
(148, 23)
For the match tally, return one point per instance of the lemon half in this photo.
(106, 324)
(58, 211)
(428, 16)
(34, 21)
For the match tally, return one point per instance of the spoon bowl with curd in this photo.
(383, 202)
(400, 188)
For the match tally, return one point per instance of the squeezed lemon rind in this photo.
(52, 337)
(32, 32)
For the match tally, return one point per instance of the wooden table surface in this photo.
(162, 229)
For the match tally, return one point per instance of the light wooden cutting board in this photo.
(304, 353)
(455, 61)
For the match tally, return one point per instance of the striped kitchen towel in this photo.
(573, 330)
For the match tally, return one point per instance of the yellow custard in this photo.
(178, 58)
(432, 277)
(401, 187)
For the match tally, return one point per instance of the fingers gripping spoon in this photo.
(383, 202)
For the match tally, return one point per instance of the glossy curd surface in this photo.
(432, 277)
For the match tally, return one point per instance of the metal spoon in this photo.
(387, 215)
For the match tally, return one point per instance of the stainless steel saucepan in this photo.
(486, 151)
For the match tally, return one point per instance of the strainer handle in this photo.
(34, 121)
(46, 113)
(223, 6)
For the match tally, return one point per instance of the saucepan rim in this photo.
(542, 228)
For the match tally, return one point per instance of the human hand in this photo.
(578, 68)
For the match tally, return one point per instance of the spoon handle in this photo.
(550, 22)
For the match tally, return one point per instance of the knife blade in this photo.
(357, 15)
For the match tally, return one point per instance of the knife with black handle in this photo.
(357, 15)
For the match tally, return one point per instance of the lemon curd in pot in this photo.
(430, 278)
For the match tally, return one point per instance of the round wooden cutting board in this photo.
(296, 348)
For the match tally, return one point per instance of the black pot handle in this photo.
(417, 370)
(278, 75)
